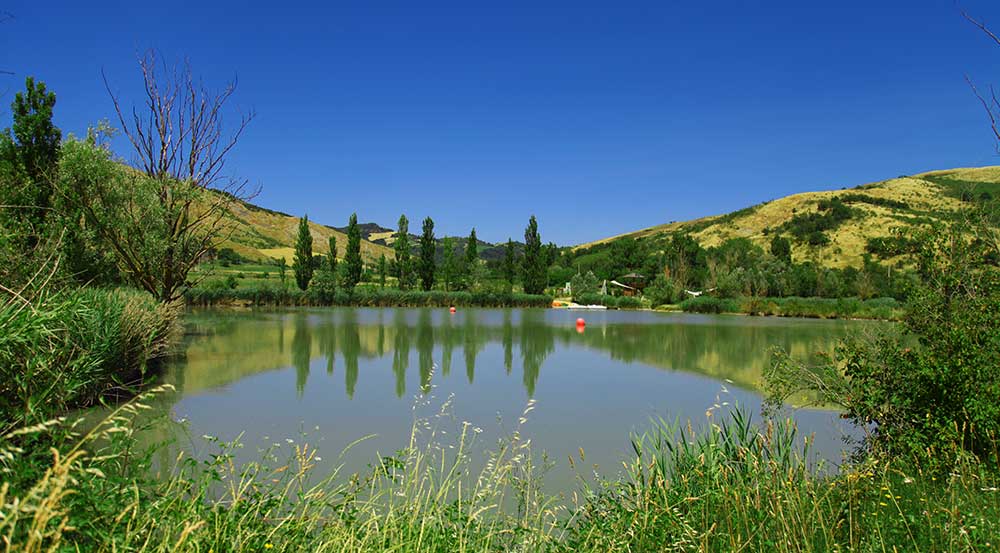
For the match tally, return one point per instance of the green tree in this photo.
(448, 267)
(509, 263)
(302, 263)
(533, 264)
(427, 249)
(781, 249)
(402, 248)
(352, 257)
(472, 250)
(32, 146)
(331, 258)
(382, 270)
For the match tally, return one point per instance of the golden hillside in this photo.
(918, 201)
(260, 233)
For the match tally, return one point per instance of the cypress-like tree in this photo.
(381, 270)
(448, 263)
(427, 247)
(534, 268)
(402, 247)
(472, 250)
(331, 258)
(509, 262)
(352, 257)
(302, 264)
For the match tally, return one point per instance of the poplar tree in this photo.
(402, 247)
(427, 247)
(509, 262)
(472, 250)
(302, 263)
(381, 271)
(331, 259)
(448, 263)
(352, 257)
(533, 264)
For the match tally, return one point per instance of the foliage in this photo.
(353, 266)
(663, 291)
(509, 268)
(31, 148)
(331, 258)
(930, 393)
(533, 264)
(709, 304)
(872, 200)
(810, 227)
(428, 249)
(472, 249)
(404, 271)
(781, 249)
(382, 270)
(66, 349)
(363, 296)
(451, 259)
(583, 284)
(302, 262)
(890, 246)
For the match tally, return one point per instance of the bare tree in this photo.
(988, 230)
(163, 215)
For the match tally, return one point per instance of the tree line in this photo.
(450, 266)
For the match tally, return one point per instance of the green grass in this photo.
(66, 349)
(813, 308)
(736, 486)
(362, 296)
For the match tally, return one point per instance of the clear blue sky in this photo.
(598, 117)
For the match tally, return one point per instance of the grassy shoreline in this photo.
(736, 486)
(361, 297)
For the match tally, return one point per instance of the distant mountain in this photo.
(837, 227)
(383, 236)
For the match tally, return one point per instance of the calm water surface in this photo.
(336, 375)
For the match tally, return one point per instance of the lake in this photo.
(330, 376)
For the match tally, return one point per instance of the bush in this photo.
(709, 304)
(930, 393)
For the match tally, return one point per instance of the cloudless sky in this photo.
(598, 117)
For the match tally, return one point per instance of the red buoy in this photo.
(581, 322)
(451, 309)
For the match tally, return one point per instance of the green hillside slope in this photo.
(836, 228)
(259, 233)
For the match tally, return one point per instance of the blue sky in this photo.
(598, 117)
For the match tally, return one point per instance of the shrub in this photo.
(709, 304)
(930, 393)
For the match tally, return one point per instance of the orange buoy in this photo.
(451, 309)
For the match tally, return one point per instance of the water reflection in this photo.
(226, 347)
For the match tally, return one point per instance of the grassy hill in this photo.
(837, 227)
(259, 233)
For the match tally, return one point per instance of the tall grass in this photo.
(60, 350)
(741, 487)
(736, 486)
(427, 497)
